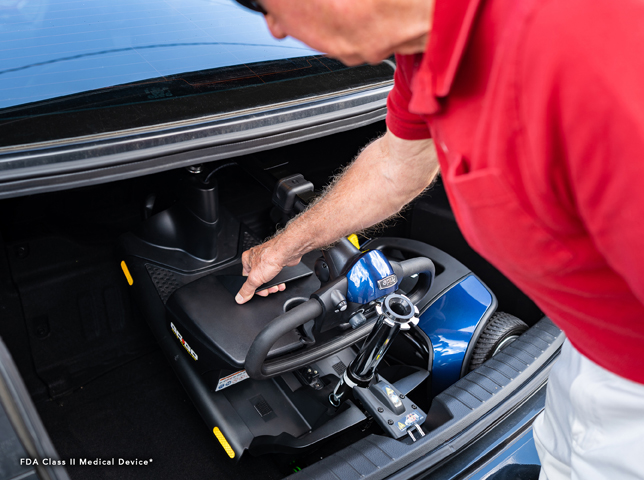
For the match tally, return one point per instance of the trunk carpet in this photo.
(140, 410)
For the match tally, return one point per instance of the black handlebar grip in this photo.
(426, 271)
(274, 331)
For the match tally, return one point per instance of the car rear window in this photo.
(72, 68)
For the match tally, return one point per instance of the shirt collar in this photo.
(451, 27)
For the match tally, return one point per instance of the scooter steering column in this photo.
(395, 312)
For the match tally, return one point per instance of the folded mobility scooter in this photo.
(362, 333)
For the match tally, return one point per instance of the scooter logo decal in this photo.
(387, 282)
(192, 353)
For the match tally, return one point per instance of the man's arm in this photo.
(387, 175)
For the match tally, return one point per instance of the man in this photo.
(537, 111)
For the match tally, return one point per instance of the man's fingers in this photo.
(267, 291)
(245, 292)
(259, 269)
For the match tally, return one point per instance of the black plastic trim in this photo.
(349, 417)
(31, 169)
(476, 456)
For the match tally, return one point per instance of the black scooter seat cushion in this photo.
(220, 331)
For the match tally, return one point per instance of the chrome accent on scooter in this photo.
(395, 312)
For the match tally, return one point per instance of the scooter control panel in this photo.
(399, 416)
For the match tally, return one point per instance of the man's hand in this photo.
(261, 264)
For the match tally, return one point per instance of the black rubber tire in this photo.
(499, 328)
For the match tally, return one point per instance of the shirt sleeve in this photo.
(400, 121)
(584, 105)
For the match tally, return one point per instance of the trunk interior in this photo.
(98, 378)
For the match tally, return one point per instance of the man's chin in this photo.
(355, 60)
(348, 61)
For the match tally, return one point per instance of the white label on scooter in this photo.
(231, 379)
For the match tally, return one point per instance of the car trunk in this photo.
(104, 389)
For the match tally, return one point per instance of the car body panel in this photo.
(521, 451)
(50, 48)
(86, 161)
(102, 91)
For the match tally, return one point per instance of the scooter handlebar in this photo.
(277, 328)
(256, 365)
(421, 266)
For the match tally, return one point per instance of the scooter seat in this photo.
(219, 331)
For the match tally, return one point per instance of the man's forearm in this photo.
(386, 176)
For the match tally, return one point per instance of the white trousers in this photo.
(593, 423)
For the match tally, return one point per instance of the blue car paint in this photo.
(52, 48)
(364, 275)
(450, 322)
(521, 451)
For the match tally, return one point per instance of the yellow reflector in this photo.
(130, 280)
(224, 442)
(353, 238)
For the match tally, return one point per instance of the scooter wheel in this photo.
(501, 330)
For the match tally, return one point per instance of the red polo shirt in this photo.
(537, 111)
